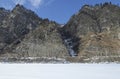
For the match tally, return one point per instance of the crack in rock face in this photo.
(69, 45)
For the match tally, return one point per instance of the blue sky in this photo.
(56, 10)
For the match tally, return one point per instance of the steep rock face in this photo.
(3, 14)
(16, 24)
(20, 21)
(3, 32)
(44, 41)
(98, 30)
(24, 34)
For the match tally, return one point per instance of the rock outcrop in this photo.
(24, 35)
(95, 31)
(44, 41)
(15, 24)
(3, 14)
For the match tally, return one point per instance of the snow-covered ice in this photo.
(59, 71)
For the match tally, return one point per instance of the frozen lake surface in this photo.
(59, 71)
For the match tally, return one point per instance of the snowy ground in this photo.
(59, 71)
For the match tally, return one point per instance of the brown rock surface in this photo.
(98, 30)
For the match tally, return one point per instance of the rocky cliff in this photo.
(24, 35)
(91, 35)
(3, 14)
(95, 31)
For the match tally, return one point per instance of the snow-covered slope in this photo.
(59, 71)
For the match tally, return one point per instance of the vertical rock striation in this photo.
(97, 29)
(24, 35)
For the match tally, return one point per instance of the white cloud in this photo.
(19, 1)
(49, 2)
(36, 3)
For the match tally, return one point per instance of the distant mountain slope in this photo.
(91, 35)
(24, 34)
(3, 14)
(97, 30)
(44, 41)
